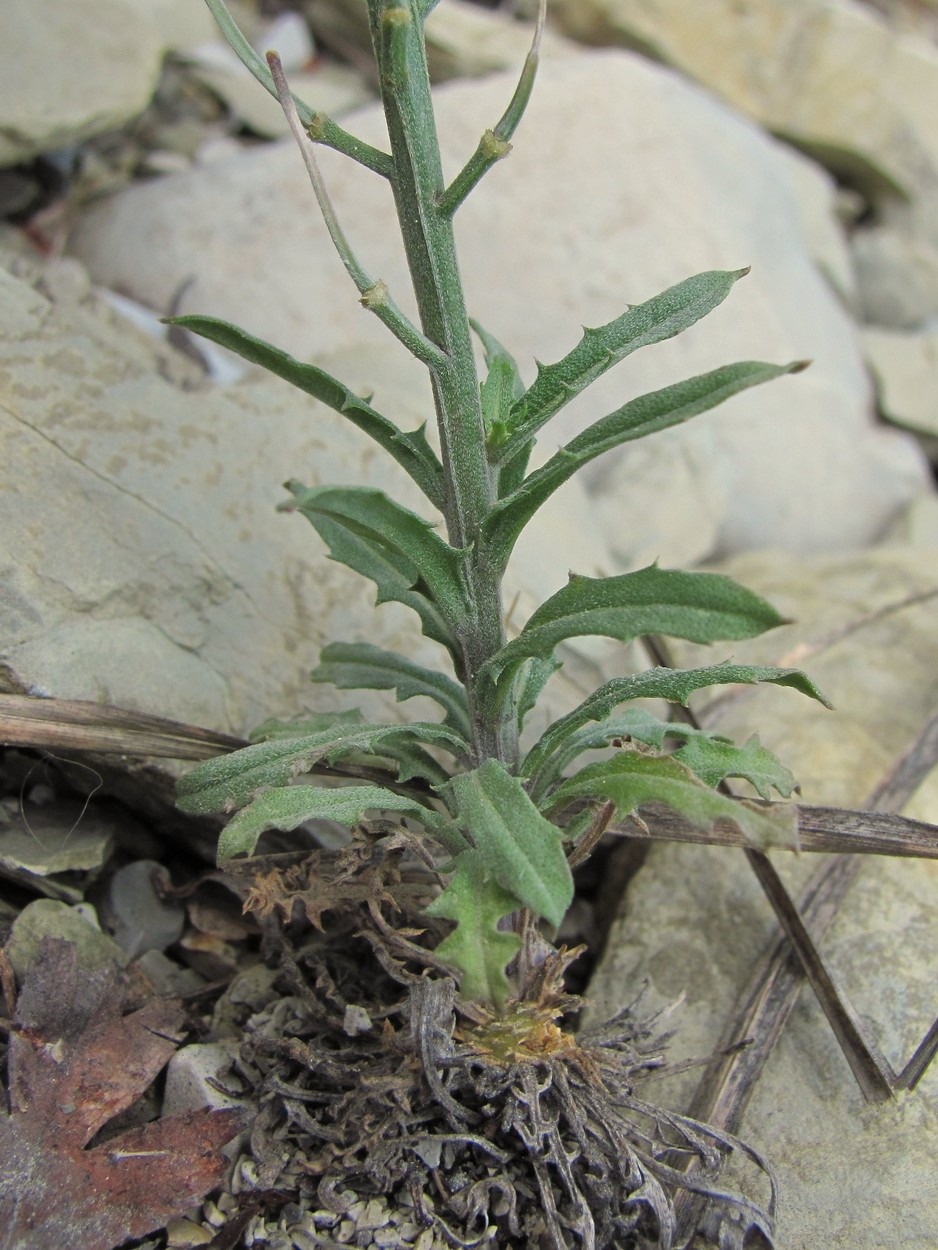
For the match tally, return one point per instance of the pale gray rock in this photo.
(832, 76)
(69, 71)
(905, 367)
(137, 911)
(190, 1076)
(694, 921)
(143, 562)
(896, 268)
(665, 184)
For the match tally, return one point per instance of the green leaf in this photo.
(361, 666)
(533, 675)
(631, 779)
(394, 548)
(228, 782)
(602, 347)
(303, 726)
(711, 757)
(675, 685)
(501, 389)
(520, 848)
(411, 450)
(288, 807)
(701, 607)
(477, 948)
(645, 415)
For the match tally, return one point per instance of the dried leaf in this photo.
(74, 1064)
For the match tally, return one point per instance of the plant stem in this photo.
(427, 231)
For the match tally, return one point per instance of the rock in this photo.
(189, 1077)
(47, 917)
(164, 579)
(463, 40)
(905, 367)
(735, 479)
(137, 911)
(853, 1176)
(896, 267)
(864, 629)
(829, 75)
(43, 848)
(73, 71)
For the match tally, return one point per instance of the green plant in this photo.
(507, 822)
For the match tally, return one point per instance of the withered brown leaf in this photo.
(74, 1063)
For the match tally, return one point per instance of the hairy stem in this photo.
(417, 182)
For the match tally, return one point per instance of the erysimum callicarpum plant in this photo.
(502, 824)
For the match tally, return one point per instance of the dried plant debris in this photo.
(381, 1093)
(74, 1063)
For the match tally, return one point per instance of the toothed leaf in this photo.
(701, 607)
(675, 685)
(477, 948)
(632, 779)
(519, 847)
(645, 415)
(361, 666)
(287, 807)
(228, 782)
(393, 547)
(711, 757)
(604, 346)
(410, 449)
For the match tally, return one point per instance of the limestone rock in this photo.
(906, 370)
(830, 75)
(896, 268)
(864, 628)
(693, 922)
(143, 561)
(70, 71)
(670, 183)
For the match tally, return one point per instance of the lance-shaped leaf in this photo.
(604, 346)
(701, 607)
(228, 782)
(675, 685)
(519, 847)
(361, 666)
(477, 948)
(501, 389)
(393, 547)
(287, 807)
(645, 415)
(711, 757)
(410, 449)
(631, 779)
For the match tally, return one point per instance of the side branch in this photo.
(494, 145)
(328, 132)
(374, 294)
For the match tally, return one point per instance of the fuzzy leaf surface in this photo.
(701, 607)
(411, 449)
(675, 685)
(711, 757)
(303, 726)
(393, 547)
(658, 410)
(632, 779)
(288, 807)
(362, 666)
(477, 948)
(497, 400)
(228, 782)
(601, 347)
(519, 847)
